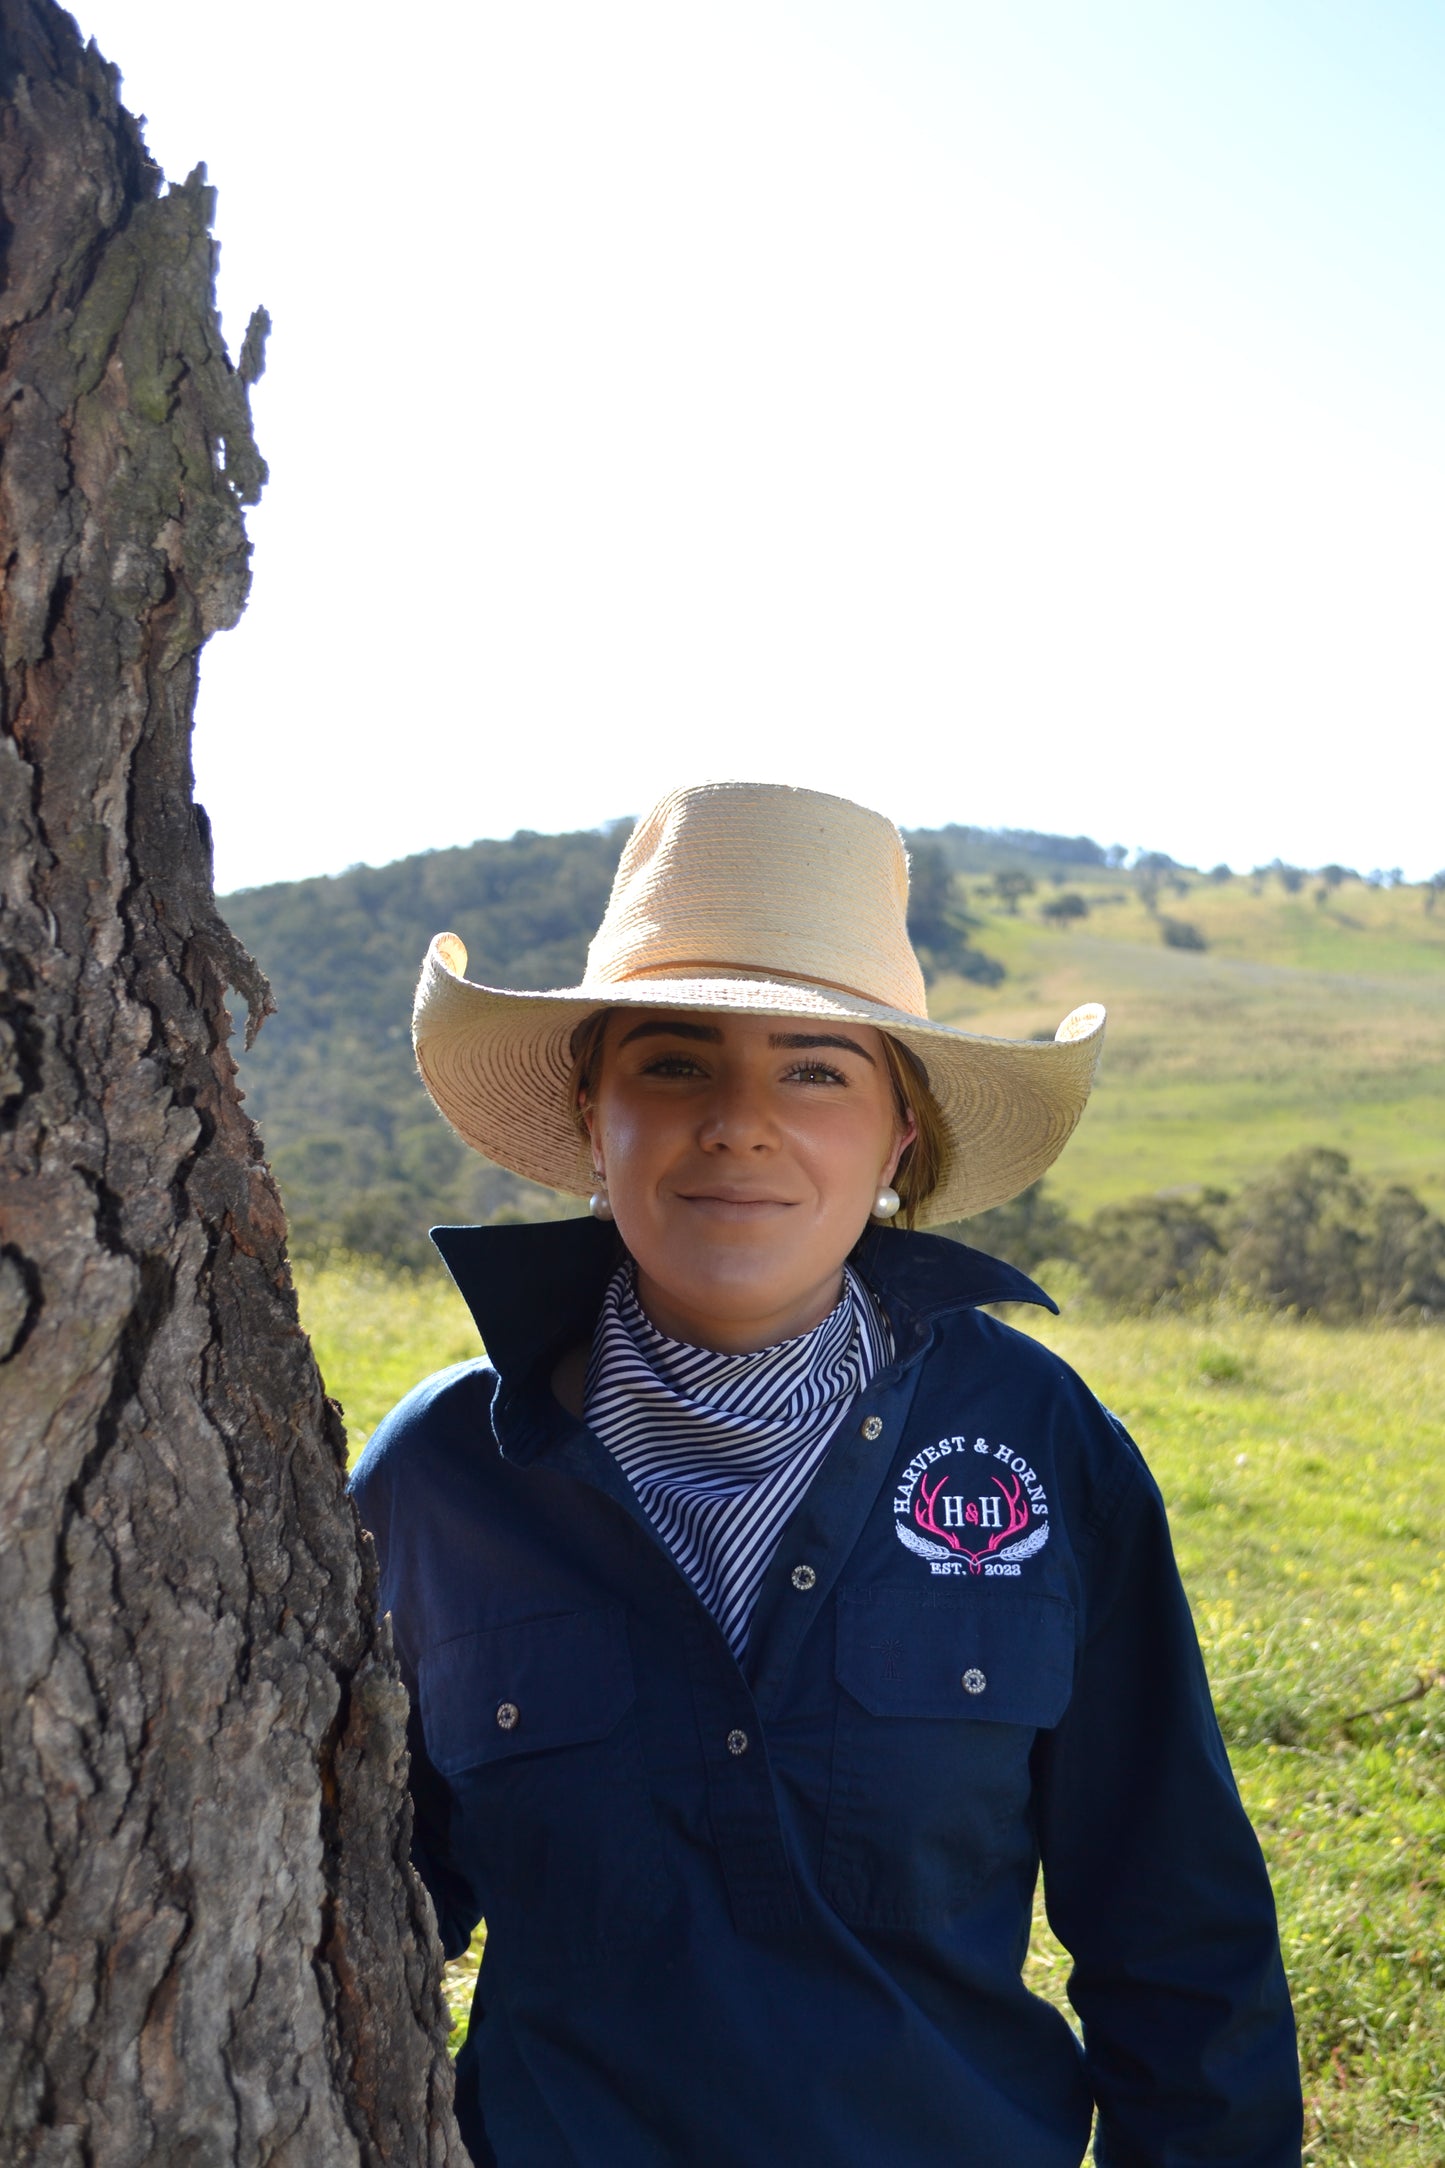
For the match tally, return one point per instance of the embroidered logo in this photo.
(982, 1515)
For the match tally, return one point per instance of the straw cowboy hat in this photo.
(778, 902)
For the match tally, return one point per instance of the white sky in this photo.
(1018, 414)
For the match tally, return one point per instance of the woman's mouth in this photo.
(734, 1203)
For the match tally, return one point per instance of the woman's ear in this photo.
(907, 1134)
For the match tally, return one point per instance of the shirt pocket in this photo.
(940, 1696)
(533, 1726)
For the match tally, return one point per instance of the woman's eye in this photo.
(672, 1065)
(816, 1072)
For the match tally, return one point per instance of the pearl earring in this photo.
(886, 1203)
(599, 1204)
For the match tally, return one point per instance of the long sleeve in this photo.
(1154, 1880)
(433, 1851)
(451, 1894)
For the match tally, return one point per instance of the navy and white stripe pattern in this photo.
(720, 1448)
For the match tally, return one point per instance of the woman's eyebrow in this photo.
(794, 1040)
(709, 1032)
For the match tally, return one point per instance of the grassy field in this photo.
(1306, 1483)
(1300, 1023)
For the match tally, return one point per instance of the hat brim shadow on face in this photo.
(497, 1063)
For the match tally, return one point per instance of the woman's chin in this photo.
(730, 1291)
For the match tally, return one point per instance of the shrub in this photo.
(1295, 1240)
(1308, 1237)
(1151, 1252)
(1220, 1366)
(1181, 933)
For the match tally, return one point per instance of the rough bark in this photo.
(213, 1947)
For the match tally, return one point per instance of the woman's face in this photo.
(742, 1156)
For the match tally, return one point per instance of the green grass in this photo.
(1307, 1494)
(1306, 1487)
(376, 1335)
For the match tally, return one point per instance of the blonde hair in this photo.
(919, 1170)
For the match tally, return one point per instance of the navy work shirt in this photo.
(738, 1917)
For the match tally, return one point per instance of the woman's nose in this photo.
(738, 1117)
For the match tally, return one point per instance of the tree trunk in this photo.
(214, 1949)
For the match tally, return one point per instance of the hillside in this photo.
(361, 1155)
(1301, 1022)
(1312, 1014)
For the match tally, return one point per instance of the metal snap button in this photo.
(737, 1742)
(872, 1426)
(508, 1715)
(803, 1578)
(974, 1682)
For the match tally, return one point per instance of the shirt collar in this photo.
(535, 1290)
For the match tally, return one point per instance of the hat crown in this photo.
(764, 881)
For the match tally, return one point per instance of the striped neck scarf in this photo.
(720, 1448)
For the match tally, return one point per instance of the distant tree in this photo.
(983, 850)
(930, 896)
(1335, 876)
(1402, 1265)
(938, 923)
(1062, 910)
(1151, 1252)
(1181, 933)
(1433, 887)
(1291, 878)
(1009, 885)
(1027, 1231)
(1220, 872)
(382, 1222)
(1115, 856)
(1149, 892)
(1297, 1239)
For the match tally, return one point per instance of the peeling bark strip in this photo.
(213, 1948)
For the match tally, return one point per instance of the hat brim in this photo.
(497, 1063)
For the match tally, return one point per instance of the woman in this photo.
(769, 1611)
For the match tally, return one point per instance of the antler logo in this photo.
(990, 1529)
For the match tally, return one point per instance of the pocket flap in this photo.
(995, 1653)
(522, 1688)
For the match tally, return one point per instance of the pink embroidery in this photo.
(1018, 1517)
